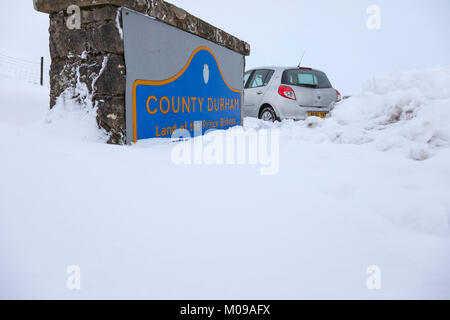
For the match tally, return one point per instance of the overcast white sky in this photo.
(413, 34)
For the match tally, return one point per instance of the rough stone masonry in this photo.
(88, 63)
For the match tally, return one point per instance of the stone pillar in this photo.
(88, 63)
(91, 57)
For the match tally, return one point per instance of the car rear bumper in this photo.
(299, 113)
(290, 109)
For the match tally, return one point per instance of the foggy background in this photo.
(413, 34)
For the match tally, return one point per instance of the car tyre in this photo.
(268, 114)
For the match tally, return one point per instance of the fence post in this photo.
(42, 71)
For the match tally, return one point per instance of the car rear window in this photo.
(305, 78)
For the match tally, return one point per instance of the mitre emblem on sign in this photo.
(206, 73)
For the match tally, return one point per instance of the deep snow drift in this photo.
(350, 193)
(404, 112)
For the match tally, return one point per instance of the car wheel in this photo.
(267, 114)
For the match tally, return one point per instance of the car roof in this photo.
(278, 68)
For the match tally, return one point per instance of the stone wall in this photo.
(88, 63)
(94, 56)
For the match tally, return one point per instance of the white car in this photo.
(277, 93)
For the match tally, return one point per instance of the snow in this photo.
(74, 115)
(405, 112)
(368, 186)
(118, 26)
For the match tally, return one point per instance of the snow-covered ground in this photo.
(368, 186)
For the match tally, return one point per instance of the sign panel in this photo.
(176, 80)
(199, 92)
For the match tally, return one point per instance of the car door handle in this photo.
(259, 93)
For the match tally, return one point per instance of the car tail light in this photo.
(287, 92)
(338, 98)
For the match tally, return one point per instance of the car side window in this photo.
(246, 76)
(268, 77)
(260, 78)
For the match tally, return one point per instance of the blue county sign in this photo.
(198, 93)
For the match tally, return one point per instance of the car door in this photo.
(247, 76)
(254, 91)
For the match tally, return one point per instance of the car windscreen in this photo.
(305, 78)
